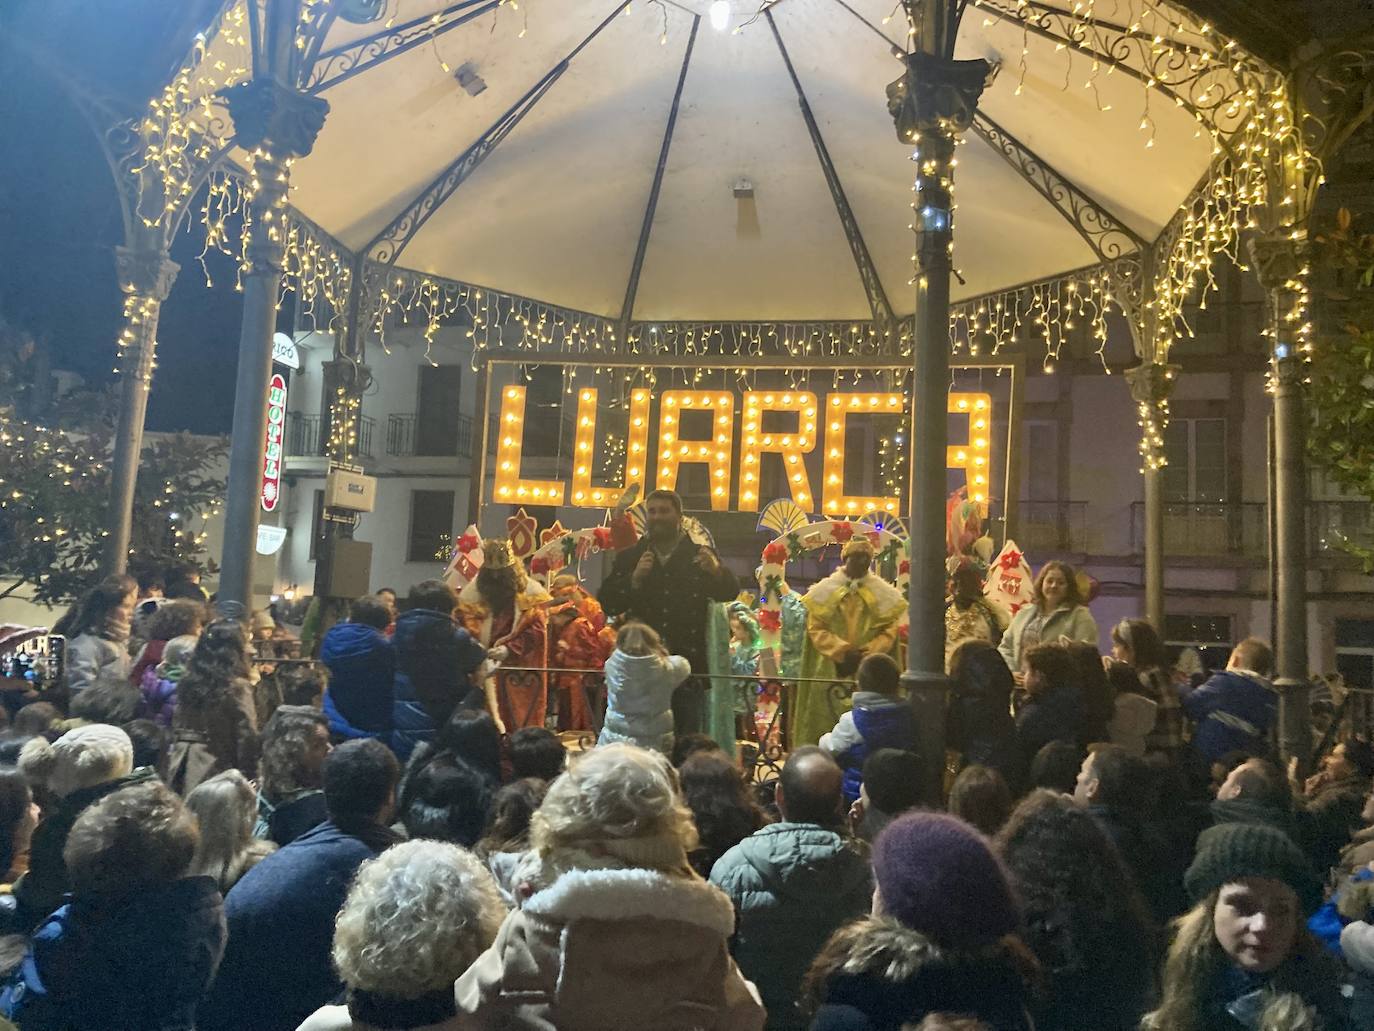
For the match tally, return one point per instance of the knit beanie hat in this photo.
(937, 875)
(82, 758)
(1233, 851)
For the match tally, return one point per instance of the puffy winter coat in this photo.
(438, 658)
(1232, 711)
(362, 669)
(792, 884)
(611, 950)
(142, 965)
(159, 697)
(277, 969)
(874, 722)
(1056, 715)
(91, 659)
(639, 699)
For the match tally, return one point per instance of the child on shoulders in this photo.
(880, 718)
(640, 680)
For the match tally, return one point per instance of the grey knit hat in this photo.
(1233, 851)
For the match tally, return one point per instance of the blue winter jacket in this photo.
(145, 963)
(362, 666)
(883, 724)
(1231, 711)
(277, 969)
(435, 659)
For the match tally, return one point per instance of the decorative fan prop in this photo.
(782, 517)
(885, 521)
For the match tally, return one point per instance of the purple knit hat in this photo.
(937, 875)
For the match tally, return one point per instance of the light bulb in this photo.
(720, 15)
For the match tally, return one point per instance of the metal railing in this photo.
(401, 438)
(1203, 529)
(307, 435)
(1330, 522)
(1053, 526)
(524, 692)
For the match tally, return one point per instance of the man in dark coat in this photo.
(667, 581)
(277, 968)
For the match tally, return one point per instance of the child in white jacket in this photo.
(640, 679)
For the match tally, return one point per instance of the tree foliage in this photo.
(55, 484)
(1341, 433)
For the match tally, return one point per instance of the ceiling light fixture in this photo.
(720, 15)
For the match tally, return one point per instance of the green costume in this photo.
(840, 613)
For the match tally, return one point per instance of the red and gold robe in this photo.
(522, 631)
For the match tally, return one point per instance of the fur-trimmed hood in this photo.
(606, 950)
(877, 973)
(879, 595)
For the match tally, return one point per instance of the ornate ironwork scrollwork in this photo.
(1107, 235)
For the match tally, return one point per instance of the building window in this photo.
(1355, 652)
(1042, 461)
(1208, 636)
(431, 524)
(436, 412)
(316, 525)
(1196, 452)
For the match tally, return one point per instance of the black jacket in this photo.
(435, 658)
(672, 599)
(40, 891)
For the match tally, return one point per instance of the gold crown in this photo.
(497, 554)
(858, 544)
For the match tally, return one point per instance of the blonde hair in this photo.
(616, 792)
(1195, 957)
(416, 917)
(226, 807)
(639, 639)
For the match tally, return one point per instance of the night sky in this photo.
(60, 222)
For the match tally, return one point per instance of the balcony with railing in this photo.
(1331, 522)
(307, 436)
(404, 439)
(1053, 526)
(1207, 529)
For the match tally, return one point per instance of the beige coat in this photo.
(612, 950)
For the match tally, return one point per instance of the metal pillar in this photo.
(932, 104)
(146, 276)
(1281, 261)
(261, 283)
(275, 123)
(1150, 387)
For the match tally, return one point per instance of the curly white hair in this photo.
(613, 791)
(416, 917)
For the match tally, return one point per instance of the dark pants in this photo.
(689, 707)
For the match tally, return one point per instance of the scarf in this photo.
(395, 1014)
(117, 627)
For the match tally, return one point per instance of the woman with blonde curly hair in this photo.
(615, 930)
(415, 919)
(1242, 957)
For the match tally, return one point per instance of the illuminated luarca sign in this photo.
(675, 447)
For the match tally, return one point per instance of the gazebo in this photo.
(826, 184)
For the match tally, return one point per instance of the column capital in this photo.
(1151, 382)
(270, 115)
(936, 93)
(1280, 258)
(146, 272)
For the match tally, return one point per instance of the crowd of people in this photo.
(198, 834)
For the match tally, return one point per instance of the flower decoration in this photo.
(539, 565)
(775, 554)
(770, 620)
(841, 531)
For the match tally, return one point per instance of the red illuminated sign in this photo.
(274, 445)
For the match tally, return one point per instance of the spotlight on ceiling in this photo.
(469, 79)
(720, 15)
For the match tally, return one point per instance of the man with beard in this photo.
(668, 582)
(850, 615)
(505, 611)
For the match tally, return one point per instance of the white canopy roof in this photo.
(555, 210)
